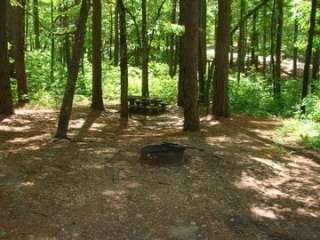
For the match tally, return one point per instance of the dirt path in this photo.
(243, 186)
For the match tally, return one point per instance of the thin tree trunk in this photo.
(277, 79)
(116, 36)
(36, 24)
(123, 61)
(6, 106)
(111, 35)
(182, 52)
(254, 41)
(173, 42)
(52, 60)
(272, 45)
(145, 50)
(66, 108)
(315, 69)
(20, 65)
(295, 48)
(191, 43)
(306, 73)
(202, 49)
(221, 73)
(265, 29)
(242, 41)
(97, 95)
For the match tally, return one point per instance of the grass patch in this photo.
(307, 131)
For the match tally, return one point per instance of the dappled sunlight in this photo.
(25, 184)
(239, 174)
(13, 129)
(264, 212)
(286, 183)
(26, 140)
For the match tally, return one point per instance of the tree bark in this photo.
(20, 65)
(279, 28)
(97, 95)
(295, 48)
(306, 72)
(116, 36)
(191, 44)
(123, 61)
(66, 108)
(144, 50)
(36, 24)
(242, 40)
(111, 35)
(173, 42)
(221, 73)
(202, 49)
(182, 52)
(265, 32)
(272, 33)
(6, 106)
(315, 68)
(254, 41)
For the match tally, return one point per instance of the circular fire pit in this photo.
(163, 154)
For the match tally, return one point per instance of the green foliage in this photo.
(253, 95)
(3, 233)
(306, 130)
(312, 103)
(43, 92)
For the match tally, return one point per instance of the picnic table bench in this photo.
(146, 105)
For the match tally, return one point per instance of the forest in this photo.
(160, 119)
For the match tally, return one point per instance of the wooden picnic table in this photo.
(146, 104)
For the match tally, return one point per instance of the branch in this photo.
(135, 24)
(245, 18)
(156, 20)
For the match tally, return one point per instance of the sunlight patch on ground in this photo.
(12, 129)
(29, 139)
(77, 123)
(264, 212)
(269, 163)
(220, 139)
(26, 184)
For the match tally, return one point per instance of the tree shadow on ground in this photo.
(240, 187)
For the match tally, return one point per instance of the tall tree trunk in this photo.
(277, 79)
(272, 33)
(123, 61)
(77, 51)
(191, 43)
(315, 68)
(231, 63)
(116, 36)
(221, 73)
(36, 24)
(182, 57)
(144, 50)
(202, 49)
(52, 38)
(265, 30)
(254, 41)
(306, 72)
(242, 40)
(6, 106)
(295, 48)
(111, 34)
(66, 38)
(97, 95)
(173, 42)
(20, 65)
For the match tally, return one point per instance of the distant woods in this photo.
(201, 42)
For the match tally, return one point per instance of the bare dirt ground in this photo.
(243, 186)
